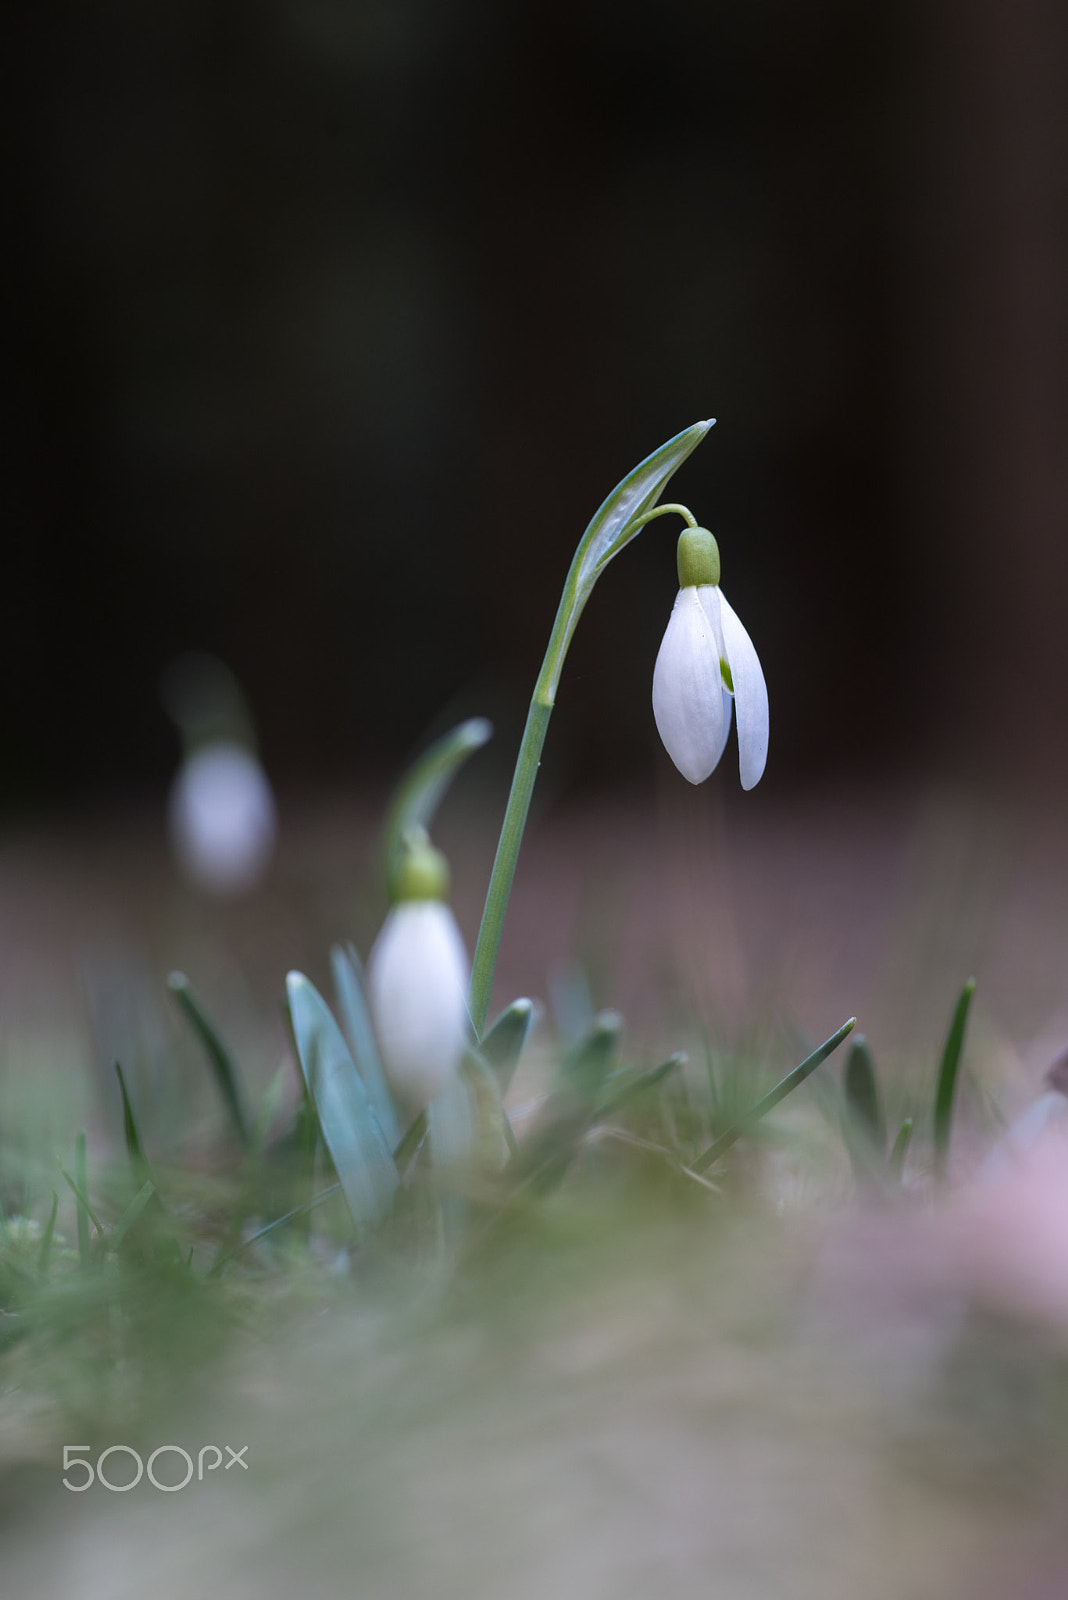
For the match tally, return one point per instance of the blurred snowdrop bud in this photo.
(223, 821)
(222, 818)
(706, 664)
(417, 981)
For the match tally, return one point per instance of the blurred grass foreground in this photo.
(806, 1367)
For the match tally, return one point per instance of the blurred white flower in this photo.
(706, 662)
(417, 980)
(222, 814)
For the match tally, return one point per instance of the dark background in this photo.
(333, 321)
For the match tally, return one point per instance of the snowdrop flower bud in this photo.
(417, 981)
(706, 663)
(222, 817)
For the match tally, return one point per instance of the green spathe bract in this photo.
(422, 788)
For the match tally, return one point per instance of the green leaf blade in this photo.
(896, 1162)
(130, 1215)
(947, 1079)
(135, 1149)
(638, 1084)
(773, 1097)
(80, 1185)
(543, 1158)
(218, 1057)
(44, 1254)
(862, 1094)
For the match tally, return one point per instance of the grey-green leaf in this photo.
(356, 1026)
(607, 533)
(451, 1125)
(350, 1129)
(503, 1044)
(586, 1067)
(610, 529)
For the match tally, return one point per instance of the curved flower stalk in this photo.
(706, 665)
(613, 526)
(417, 979)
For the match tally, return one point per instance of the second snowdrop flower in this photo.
(417, 981)
(706, 664)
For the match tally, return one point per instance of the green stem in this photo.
(572, 602)
(500, 885)
(628, 508)
(662, 511)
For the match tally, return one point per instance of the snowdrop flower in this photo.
(417, 982)
(706, 662)
(222, 817)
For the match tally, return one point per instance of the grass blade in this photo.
(85, 1210)
(219, 1059)
(947, 1079)
(542, 1160)
(269, 1108)
(410, 1141)
(279, 1222)
(896, 1162)
(134, 1148)
(44, 1254)
(772, 1098)
(130, 1215)
(862, 1094)
(638, 1084)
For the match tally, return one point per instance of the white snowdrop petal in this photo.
(727, 702)
(222, 817)
(710, 597)
(417, 982)
(687, 690)
(750, 696)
